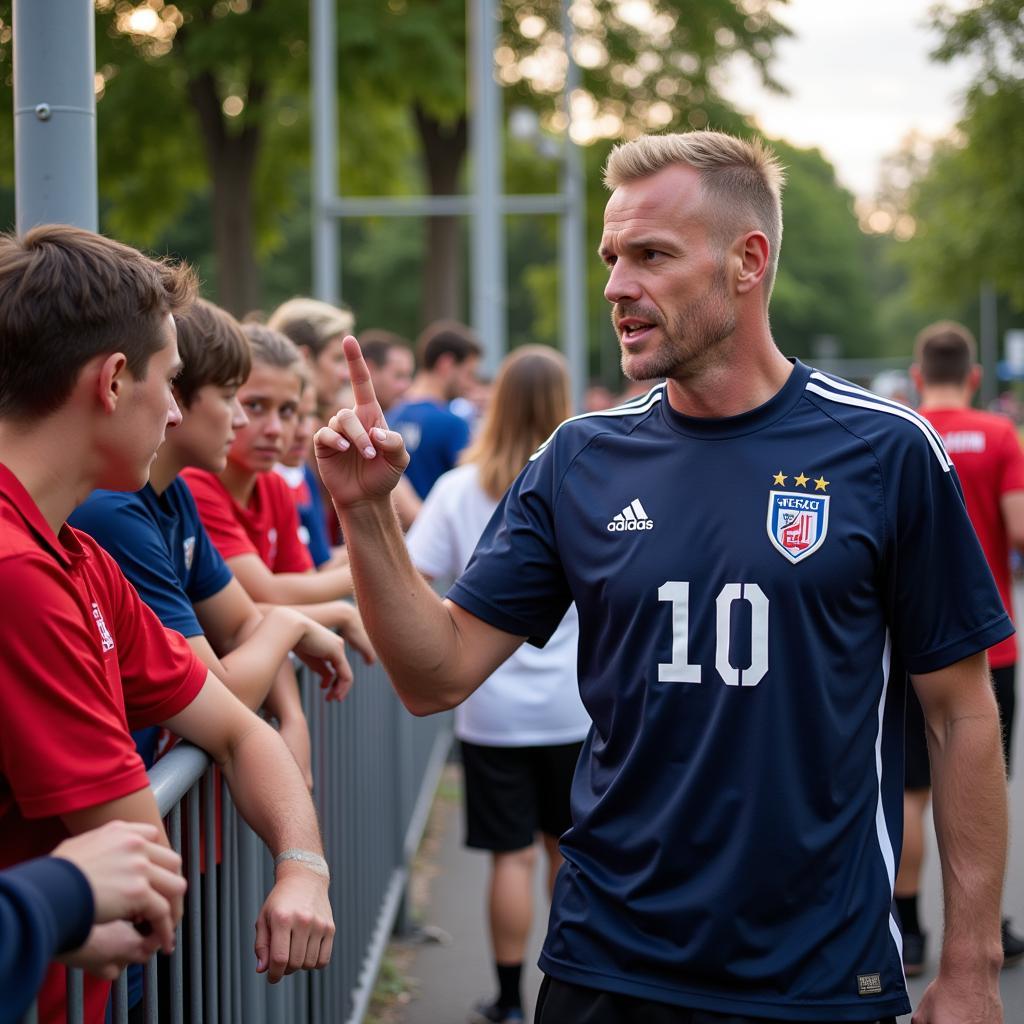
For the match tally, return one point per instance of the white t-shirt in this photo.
(533, 698)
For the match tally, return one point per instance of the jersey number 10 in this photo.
(679, 669)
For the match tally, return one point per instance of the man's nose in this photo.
(622, 285)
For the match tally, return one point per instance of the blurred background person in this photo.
(990, 464)
(391, 364)
(522, 730)
(448, 355)
(317, 328)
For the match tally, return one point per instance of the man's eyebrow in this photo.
(638, 244)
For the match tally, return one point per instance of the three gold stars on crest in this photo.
(820, 484)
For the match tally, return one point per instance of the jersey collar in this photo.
(746, 422)
(67, 549)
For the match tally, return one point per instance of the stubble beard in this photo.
(691, 339)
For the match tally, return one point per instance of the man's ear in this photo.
(916, 377)
(974, 378)
(752, 254)
(111, 379)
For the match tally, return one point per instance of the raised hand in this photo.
(359, 458)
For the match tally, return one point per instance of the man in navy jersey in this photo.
(752, 547)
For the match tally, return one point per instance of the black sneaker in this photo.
(494, 1013)
(913, 953)
(1013, 945)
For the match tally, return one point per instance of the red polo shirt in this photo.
(84, 661)
(268, 526)
(988, 459)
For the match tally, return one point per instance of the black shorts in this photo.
(918, 770)
(512, 793)
(559, 1002)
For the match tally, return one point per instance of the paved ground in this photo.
(449, 978)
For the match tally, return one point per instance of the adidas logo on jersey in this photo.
(632, 517)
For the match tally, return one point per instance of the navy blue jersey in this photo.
(162, 547)
(434, 437)
(752, 592)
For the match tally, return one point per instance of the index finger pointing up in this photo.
(359, 374)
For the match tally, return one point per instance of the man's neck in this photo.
(945, 396)
(744, 371)
(426, 388)
(52, 462)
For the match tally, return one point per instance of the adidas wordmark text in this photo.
(632, 517)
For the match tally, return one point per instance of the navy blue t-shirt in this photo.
(752, 592)
(163, 549)
(434, 437)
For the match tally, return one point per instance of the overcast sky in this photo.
(859, 79)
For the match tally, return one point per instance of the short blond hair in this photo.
(311, 323)
(745, 176)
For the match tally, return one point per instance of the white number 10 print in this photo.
(679, 669)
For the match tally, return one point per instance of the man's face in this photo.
(208, 426)
(461, 377)
(330, 373)
(145, 410)
(270, 401)
(392, 380)
(667, 276)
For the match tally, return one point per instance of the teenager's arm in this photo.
(292, 588)
(253, 644)
(969, 793)
(295, 927)
(436, 653)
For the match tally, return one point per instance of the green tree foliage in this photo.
(969, 204)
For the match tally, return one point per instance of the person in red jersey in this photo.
(88, 358)
(987, 455)
(248, 509)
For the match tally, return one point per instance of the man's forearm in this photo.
(969, 786)
(409, 626)
(269, 792)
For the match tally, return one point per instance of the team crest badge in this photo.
(797, 523)
(189, 549)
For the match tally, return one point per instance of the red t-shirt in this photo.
(84, 661)
(268, 526)
(987, 455)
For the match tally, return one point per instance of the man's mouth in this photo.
(633, 329)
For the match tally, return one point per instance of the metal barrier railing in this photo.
(375, 769)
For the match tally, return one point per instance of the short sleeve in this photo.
(458, 438)
(292, 555)
(1011, 475)
(64, 742)
(209, 574)
(215, 510)
(515, 580)
(160, 675)
(431, 539)
(128, 534)
(942, 603)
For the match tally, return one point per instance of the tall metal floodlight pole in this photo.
(55, 113)
(326, 266)
(490, 315)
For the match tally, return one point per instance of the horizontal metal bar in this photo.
(175, 774)
(437, 206)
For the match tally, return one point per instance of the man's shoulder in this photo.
(571, 436)
(889, 428)
(104, 511)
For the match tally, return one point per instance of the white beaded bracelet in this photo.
(308, 859)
